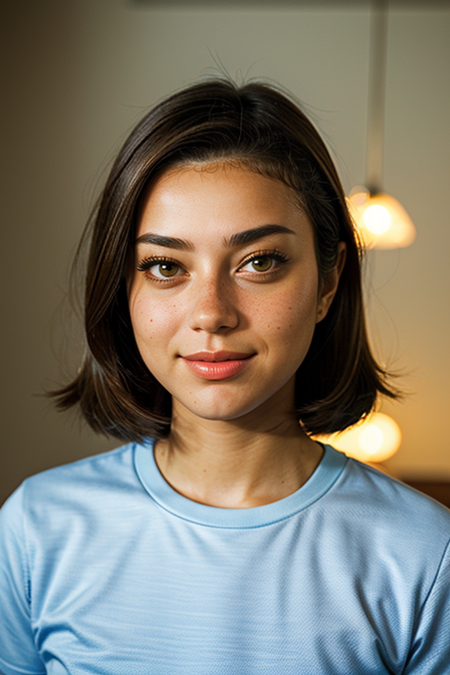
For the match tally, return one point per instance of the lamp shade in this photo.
(381, 220)
(374, 439)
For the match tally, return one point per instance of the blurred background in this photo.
(78, 75)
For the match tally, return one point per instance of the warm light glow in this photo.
(375, 439)
(381, 220)
(371, 439)
(377, 219)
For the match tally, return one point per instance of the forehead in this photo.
(218, 197)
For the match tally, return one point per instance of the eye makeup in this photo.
(167, 268)
(162, 269)
(259, 260)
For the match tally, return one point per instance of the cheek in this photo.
(153, 322)
(289, 314)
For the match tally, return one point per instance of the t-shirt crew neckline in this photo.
(325, 475)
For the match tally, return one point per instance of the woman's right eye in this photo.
(160, 269)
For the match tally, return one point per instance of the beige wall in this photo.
(79, 75)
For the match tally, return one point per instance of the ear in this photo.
(330, 283)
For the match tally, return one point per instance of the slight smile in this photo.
(217, 365)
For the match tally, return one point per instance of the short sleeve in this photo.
(430, 650)
(17, 650)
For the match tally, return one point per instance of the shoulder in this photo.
(101, 467)
(387, 510)
(89, 480)
(388, 493)
(73, 506)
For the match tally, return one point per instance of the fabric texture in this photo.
(106, 570)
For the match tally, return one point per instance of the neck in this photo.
(236, 464)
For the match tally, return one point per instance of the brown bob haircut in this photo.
(259, 127)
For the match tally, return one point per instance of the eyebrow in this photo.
(166, 242)
(238, 239)
(256, 233)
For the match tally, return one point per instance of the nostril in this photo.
(213, 309)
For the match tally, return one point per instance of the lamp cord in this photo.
(377, 94)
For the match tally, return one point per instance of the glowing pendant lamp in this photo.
(374, 439)
(381, 219)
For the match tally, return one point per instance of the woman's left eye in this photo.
(263, 262)
(165, 270)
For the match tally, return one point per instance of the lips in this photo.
(219, 365)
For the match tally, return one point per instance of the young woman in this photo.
(224, 328)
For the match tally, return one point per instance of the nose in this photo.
(213, 309)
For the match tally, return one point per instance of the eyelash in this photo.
(147, 263)
(276, 256)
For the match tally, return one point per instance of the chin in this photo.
(223, 408)
(218, 413)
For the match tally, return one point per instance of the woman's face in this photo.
(224, 295)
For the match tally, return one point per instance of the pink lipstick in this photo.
(217, 365)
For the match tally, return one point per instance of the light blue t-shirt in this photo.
(106, 570)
